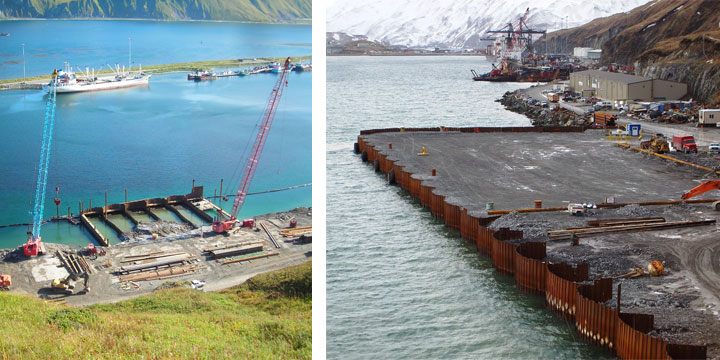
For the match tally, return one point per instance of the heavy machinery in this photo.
(5, 282)
(658, 143)
(63, 285)
(703, 188)
(222, 223)
(34, 245)
(66, 285)
(684, 143)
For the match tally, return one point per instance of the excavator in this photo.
(703, 188)
(67, 286)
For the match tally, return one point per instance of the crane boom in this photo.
(34, 244)
(254, 157)
(257, 148)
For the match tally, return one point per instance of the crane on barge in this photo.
(222, 223)
(34, 245)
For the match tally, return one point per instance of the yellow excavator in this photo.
(658, 144)
(67, 286)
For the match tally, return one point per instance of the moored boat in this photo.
(68, 81)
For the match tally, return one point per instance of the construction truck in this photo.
(5, 282)
(703, 188)
(684, 143)
(658, 143)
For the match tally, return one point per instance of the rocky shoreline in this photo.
(541, 116)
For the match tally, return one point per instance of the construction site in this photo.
(619, 242)
(138, 245)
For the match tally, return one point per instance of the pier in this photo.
(462, 175)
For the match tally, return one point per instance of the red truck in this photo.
(684, 143)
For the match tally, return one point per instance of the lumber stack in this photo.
(294, 232)
(237, 250)
(643, 226)
(162, 274)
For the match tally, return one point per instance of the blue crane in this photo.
(34, 244)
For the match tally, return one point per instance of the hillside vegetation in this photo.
(668, 39)
(237, 10)
(267, 317)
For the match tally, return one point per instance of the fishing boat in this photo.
(302, 67)
(4, 34)
(275, 68)
(202, 75)
(68, 81)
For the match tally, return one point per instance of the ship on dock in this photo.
(67, 81)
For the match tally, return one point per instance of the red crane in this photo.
(222, 223)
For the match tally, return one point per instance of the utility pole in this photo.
(23, 49)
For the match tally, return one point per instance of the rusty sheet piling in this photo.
(565, 287)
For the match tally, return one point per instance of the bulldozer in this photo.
(658, 144)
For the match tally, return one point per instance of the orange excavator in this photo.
(703, 188)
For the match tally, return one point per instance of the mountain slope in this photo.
(239, 10)
(458, 23)
(669, 39)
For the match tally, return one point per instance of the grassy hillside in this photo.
(239, 10)
(269, 317)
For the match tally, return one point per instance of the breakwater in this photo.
(568, 290)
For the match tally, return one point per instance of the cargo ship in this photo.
(68, 81)
(514, 73)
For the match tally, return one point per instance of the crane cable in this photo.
(48, 125)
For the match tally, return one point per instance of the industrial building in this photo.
(612, 86)
(587, 53)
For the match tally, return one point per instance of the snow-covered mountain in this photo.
(459, 23)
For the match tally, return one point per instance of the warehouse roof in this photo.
(613, 76)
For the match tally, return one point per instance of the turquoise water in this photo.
(95, 43)
(56, 231)
(399, 284)
(194, 218)
(122, 222)
(154, 141)
(142, 217)
(166, 215)
(109, 233)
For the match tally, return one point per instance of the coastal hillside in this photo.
(670, 39)
(269, 317)
(458, 23)
(235, 10)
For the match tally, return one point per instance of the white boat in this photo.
(69, 82)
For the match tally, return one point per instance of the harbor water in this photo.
(96, 43)
(155, 140)
(399, 284)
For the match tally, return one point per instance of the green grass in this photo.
(269, 317)
(188, 66)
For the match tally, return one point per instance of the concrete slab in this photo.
(48, 268)
(514, 169)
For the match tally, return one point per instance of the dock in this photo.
(531, 174)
